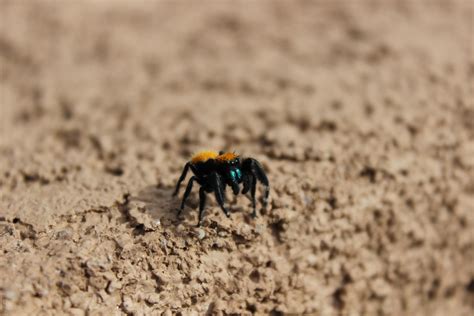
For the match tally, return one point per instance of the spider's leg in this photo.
(186, 193)
(246, 180)
(181, 178)
(202, 204)
(217, 186)
(252, 194)
(255, 168)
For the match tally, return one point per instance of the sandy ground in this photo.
(360, 111)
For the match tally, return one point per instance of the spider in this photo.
(215, 171)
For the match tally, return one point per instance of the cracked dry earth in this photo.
(361, 112)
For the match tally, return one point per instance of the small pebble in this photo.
(201, 234)
(164, 245)
(312, 259)
(128, 304)
(153, 298)
(10, 295)
(113, 286)
(167, 313)
(259, 229)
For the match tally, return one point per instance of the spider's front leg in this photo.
(218, 188)
(189, 187)
(181, 178)
(253, 171)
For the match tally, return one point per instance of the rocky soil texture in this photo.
(361, 112)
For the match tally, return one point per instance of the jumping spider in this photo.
(215, 171)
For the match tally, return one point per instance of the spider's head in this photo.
(230, 163)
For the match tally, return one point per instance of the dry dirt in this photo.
(360, 111)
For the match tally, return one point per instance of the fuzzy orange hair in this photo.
(227, 156)
(203, 156)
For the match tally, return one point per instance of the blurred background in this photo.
(360, 111)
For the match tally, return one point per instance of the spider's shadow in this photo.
(160, 204)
